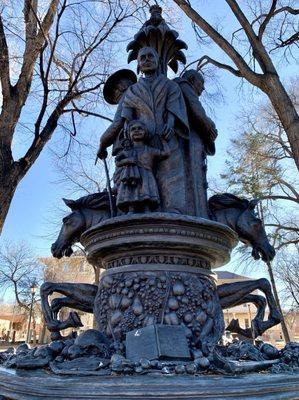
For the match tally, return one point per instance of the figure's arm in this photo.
(161, 154)
(109, 136)
(196, 110)
(169, 125)
(111, 133)
(125, 162)
(166, 150)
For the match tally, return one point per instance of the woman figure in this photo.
(137, 190)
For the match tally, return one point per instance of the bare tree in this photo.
(287, 269)
(78, 173)
(19, 269)
(54, 59)
(264, 28)
(260, 165)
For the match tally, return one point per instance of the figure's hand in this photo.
(102, 153)
(125, 162)
(130, 161)
(168, 131)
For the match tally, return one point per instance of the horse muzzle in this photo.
(56, 252)
(61, 251)
(266, 253)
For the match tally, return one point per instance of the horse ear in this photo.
(224, 200)
(253, 203)
(72, 204)
(214, 203)
(97, 201)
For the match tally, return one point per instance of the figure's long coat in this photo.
(201, 144)
(149, 100)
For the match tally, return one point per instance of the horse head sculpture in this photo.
(86, 211)
(239, 215)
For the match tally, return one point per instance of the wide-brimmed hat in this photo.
(113, 80)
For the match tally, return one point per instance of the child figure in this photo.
(128, 174)
(137, 189)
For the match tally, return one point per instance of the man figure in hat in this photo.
(202, 137)
(192, 86)
(114, 89)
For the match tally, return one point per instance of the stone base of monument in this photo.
(29, 385)
(159, 271)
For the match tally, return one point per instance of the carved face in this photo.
(197, 83)
(137, 132)
(147, 59)
(121, 87)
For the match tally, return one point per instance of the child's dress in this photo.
(129, 174)
(144, 190)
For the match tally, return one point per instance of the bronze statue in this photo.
(161, 137)
(158, 103)
(138, 189)
(156, 235)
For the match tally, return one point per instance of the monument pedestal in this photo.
(159, 271)
(28, 385)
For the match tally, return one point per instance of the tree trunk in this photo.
(7, 190)
(273, 284)
(8, 169)
(283, 323)
(285, 110)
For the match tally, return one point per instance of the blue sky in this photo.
(38, 196)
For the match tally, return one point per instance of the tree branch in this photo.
(39, 142)
(287, 228)
(278, 197)
(289, 186)
(295, 241)
(30, 9)
(4, 63)
(45, 74)
(245, 70)
(267, 19)
(33, 49)
(86, 112)
(288, 9)
(243, 21)
(258, 49)
(96, 43)
(204, 60)
(287, 42)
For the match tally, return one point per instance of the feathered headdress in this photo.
(157, 34)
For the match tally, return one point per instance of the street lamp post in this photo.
(33, 291)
